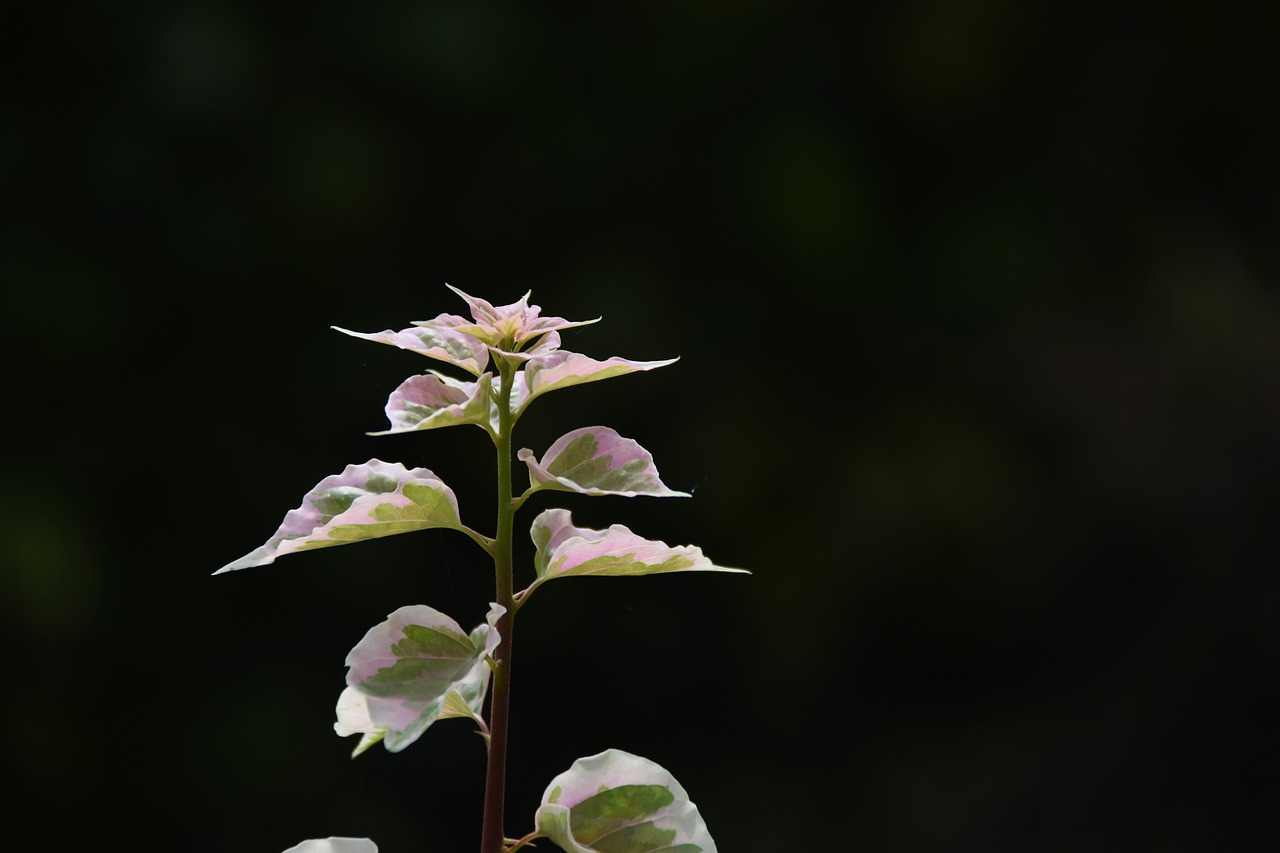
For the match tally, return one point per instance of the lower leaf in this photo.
(335, 845)
(616, 802)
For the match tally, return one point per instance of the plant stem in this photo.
(492, 837)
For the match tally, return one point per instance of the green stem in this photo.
(492, 837)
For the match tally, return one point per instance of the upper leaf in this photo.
(412, 670)
(563, 550)
(563, 369)
(616, 802)
(433, 400)
(596, 461)
(437, 341)
(363, 502)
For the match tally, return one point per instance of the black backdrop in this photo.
(979, 355)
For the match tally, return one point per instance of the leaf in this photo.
(363, 502)
(335, 845)
(596, 461)
(436, 341)
(616, 802)
(564, 550)
(562, 369)
(409, 667)
(353, 719)
(457, 705)
(433, 400)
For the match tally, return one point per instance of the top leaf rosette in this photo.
(514, 336)
(515, 332)
(505, 330)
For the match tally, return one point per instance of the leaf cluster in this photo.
(419, 665)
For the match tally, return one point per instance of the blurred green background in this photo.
(980, 350)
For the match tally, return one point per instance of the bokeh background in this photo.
(980, 350)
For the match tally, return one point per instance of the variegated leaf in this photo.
(408, 669)
(363, 502)
(562, 369)
(596, 461)
(616, 802)
(435, 341)
(563, 550)
(433, 400)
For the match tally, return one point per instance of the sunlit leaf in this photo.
(437, 341)
(564, 550)
(616, 802)
(363, 502)
(562, 369)
(433, 400)
(596, 461)
(412, 670)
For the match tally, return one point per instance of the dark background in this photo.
(979, 355)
